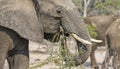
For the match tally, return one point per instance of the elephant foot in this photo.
(96, 67)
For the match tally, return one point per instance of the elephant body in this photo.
(24, 20)
(112, 36)
(113, 45)
(101, 24)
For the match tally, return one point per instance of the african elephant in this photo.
(24, 20)
(113, 45)
(101, 24)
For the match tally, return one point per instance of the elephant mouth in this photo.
(82, 51)
(80, 54)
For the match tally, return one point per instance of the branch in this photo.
(86, 3)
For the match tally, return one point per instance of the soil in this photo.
(40, 52)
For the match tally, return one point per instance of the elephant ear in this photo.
(22, 18)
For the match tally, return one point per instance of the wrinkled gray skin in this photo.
(23, 20)
(113, 45)
(101, 23)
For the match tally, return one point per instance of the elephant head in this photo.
(56, 13)
(64, 13)
(32, 18)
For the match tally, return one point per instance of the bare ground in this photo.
(46, 56)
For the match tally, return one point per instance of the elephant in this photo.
(101, 23)
(24, 20)
(112, 39)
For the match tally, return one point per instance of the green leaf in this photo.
(91, 29)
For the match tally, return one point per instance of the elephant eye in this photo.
(58, 11)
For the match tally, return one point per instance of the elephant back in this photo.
(21, 16)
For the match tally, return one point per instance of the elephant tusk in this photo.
(81, 40)
(96, 41)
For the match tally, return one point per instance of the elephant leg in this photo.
(93, 59)
(19, 61)
(116, 61)
(5, 45)
(119, 61)
(3, 55)
(10, 62)
(106, 60)
(19, 57)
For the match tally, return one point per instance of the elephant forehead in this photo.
(68, 4)
(46, 6)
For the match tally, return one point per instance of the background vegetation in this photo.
(97, 7)
(103, 7)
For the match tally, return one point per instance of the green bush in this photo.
(91, 30)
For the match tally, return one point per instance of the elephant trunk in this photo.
(74, 25)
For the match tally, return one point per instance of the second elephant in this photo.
(113, 45)
(101, 24)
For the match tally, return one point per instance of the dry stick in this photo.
(85, 7)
